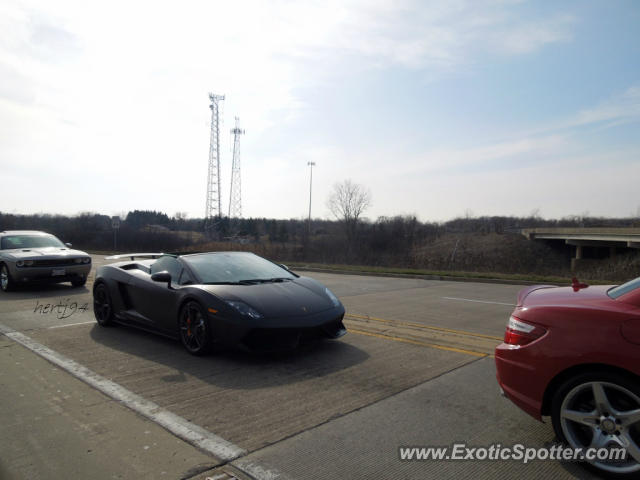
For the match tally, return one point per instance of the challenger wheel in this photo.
(601, 410)
(102, 308)
(194, 329)
(6, 282)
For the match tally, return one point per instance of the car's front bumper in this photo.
(273, 334)
(57, 274)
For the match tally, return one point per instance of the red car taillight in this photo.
(520, 333)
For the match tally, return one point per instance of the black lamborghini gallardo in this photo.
(217, 298)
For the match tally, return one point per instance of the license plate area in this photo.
(58, 272)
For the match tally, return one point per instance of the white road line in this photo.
(479, 301)
(177, 425)
(71, 324)
(180, 427)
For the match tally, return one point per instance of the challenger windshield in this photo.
(30, 241)
(235, 267)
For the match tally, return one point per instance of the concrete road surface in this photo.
(414, 370)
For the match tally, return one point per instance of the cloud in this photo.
(567, 185)
(543, 145)
(50, 42)
(123, 88)
(529, 36)
(432, 35)
(618, 109)
(264, 51)
(513, 151)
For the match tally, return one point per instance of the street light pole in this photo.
(311, 165)
(115, 224)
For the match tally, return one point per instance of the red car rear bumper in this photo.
(520, 377)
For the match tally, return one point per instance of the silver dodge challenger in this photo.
(28, 256)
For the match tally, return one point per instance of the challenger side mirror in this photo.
(164, 277)
(68, 245)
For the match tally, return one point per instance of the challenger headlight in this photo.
(244, 309)
(20, 263)
(86, 260)
(28, 263)
(332, 297)
(77, 260)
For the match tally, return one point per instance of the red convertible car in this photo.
(573, 353)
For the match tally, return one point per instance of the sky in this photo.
(438, 109)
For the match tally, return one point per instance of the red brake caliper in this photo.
(189, 326)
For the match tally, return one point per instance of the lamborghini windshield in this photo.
(235, 267)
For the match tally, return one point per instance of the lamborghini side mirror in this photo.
(164, 277)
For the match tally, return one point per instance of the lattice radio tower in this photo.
(235, 199)
(214, 207)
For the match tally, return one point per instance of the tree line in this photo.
(393, 241)
(482, 243)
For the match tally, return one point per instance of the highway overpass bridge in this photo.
(589, 243)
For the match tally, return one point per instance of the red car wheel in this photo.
(601, 410)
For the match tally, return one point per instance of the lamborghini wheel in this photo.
(102, 308)
(194, 329)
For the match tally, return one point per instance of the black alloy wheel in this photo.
(102, 308)
(194, 329)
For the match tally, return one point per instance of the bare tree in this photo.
(347, 202)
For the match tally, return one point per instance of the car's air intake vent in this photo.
(55, 262)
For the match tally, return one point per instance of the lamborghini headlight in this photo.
(244, 309)
(332, 297)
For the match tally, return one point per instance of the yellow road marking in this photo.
(420, 325)
(422, 344)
